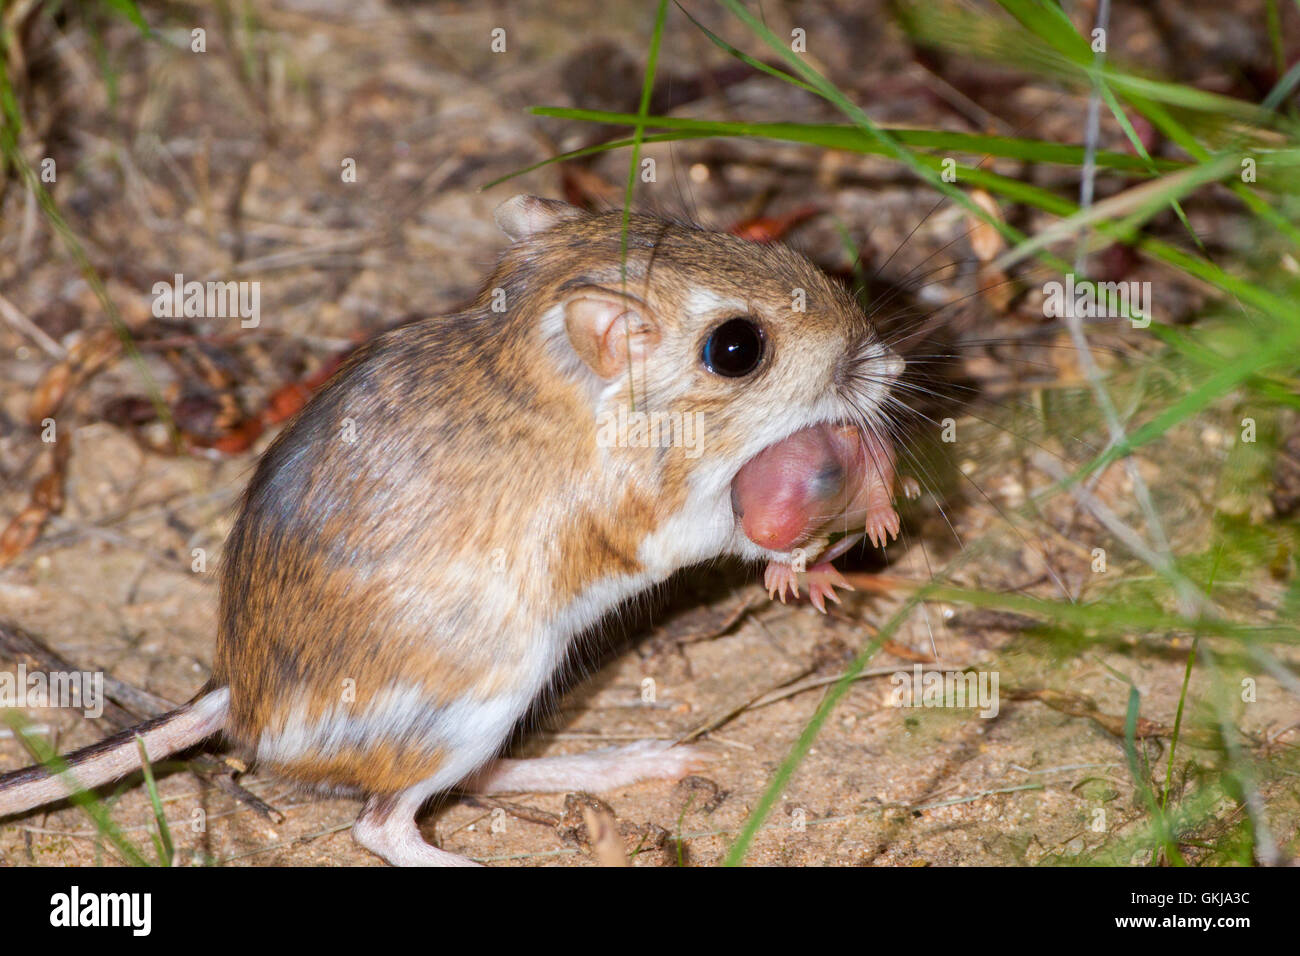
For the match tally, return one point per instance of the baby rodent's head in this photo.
(753, 340)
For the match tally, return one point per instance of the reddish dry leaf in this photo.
(585, 189)
(84, 360)
(288, 400)
(283, 403)
(772, 228)
(906, 653)
(995, 288)
(878, 583)
(212, 420)
(47, 499)
(238, 439)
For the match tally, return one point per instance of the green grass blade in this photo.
(77, 795)
(1137, 204)
(128, 10)
(853, 138)
(647, 87)
(163, 838)
(742, 56)
(1141, 782)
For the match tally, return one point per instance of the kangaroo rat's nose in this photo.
(891, 363)
(874, 361)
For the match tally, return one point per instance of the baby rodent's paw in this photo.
(882, 523)
(822, 580)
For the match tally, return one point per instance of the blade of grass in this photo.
(1239, 769)
(742, 56)
(1164, 835)
(852, 138)
(643, 110)
(1066, 41)
(1285, 87)
(647, 87)
(162, 840)
(1117, 111)
(1048, 23)
(1008, 188)
(736, 855)
(1182, 696)
(1137, 206)
(55, 764)
(128, 10)
(1275, 35)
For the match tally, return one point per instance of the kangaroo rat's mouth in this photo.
(828, 477)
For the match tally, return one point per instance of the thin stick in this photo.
(27, 327)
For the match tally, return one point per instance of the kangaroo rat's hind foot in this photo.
(387, 828)
(387, 825)
(606, 769)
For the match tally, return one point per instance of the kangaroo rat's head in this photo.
(737, 345)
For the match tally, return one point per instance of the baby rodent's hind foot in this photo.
(606, 769)
(822, 579)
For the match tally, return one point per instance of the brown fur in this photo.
(384, 767)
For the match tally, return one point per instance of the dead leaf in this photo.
(46, 499)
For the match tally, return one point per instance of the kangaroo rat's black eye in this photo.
(734, 348)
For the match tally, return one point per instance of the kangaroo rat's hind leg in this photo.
(387, 824)
(387, 828)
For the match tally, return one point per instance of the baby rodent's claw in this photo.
(882, 524)
(910, 487)
(777, 578)
(823, 579)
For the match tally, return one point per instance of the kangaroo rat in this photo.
(418, 549)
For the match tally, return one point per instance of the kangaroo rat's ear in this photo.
(521, 216)
(607, 330)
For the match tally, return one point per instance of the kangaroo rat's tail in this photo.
(118, 755)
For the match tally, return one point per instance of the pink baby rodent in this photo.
(817, 481)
